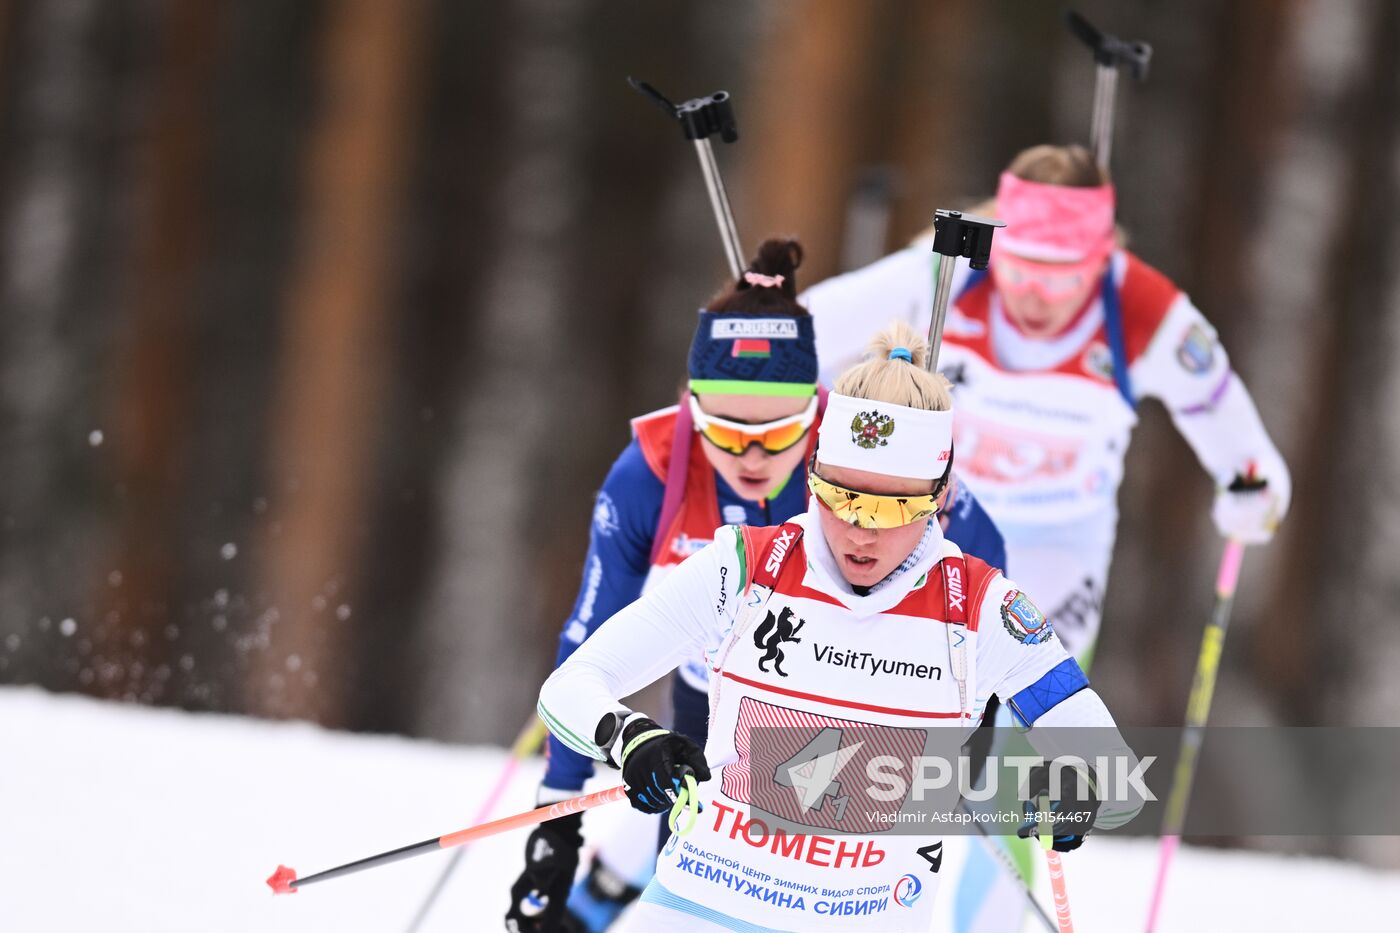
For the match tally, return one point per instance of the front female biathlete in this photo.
(734, 452)
(858, 614)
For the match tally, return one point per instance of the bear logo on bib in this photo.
(772, 633)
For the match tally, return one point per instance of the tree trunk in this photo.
(155, 382)
(484, 596)
(801, 148)
(332, 366)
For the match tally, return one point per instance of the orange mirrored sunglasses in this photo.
(735, 437)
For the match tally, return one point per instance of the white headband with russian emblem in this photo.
(883, 438)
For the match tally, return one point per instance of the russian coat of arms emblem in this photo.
(870, 429)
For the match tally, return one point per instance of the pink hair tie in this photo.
(763, 281)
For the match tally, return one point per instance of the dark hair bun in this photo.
(779, 256)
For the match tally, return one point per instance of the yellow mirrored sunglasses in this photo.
(735, 437)
(867, 509)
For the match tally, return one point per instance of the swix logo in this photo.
(779, 551)
(772, 633)
(955, 588)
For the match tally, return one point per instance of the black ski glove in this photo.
(1071, 817)
(538, 897)
(654, 767)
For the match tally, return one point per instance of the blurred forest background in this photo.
(320, 322)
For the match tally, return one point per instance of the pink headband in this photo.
(1053, 223)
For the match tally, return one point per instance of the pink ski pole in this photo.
(1057, 870)
(285, 881)
(1057, 887)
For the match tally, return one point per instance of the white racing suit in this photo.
(835, 663)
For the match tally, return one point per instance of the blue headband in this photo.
(778, 352)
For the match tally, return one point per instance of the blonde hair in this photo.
(1071, 166)
(881, 379)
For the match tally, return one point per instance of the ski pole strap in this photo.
(638, 740)
(687, 801)
(955, 617)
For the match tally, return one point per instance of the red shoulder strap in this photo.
(1146, 296)
(955, 590)
(676, 472)
(955, 584)
(771, 557)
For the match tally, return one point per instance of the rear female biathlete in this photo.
(744, 431)
(857, 614)
(1049, 352)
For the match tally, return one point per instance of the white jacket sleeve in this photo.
(1186, 367)
(1082, 727)
(849, 310)
(684, 616)
(1016, 644)
(1018, 651)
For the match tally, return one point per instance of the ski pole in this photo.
(285, 881)
(1057, 885)
(1000, 854)
(1110, 53)
(700, 118)
(955, 234)
(525, 745)
(1198, 710)
(1056, 869)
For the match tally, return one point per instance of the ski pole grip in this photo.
(1109, 50)
(1137, 56)
(1242, 483)
(968, 235)
(702, 117)
(1084, 31)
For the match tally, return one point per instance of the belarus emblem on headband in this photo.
(870, 429)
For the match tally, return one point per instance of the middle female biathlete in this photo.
(865, 573)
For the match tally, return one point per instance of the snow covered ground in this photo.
(116, 817)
